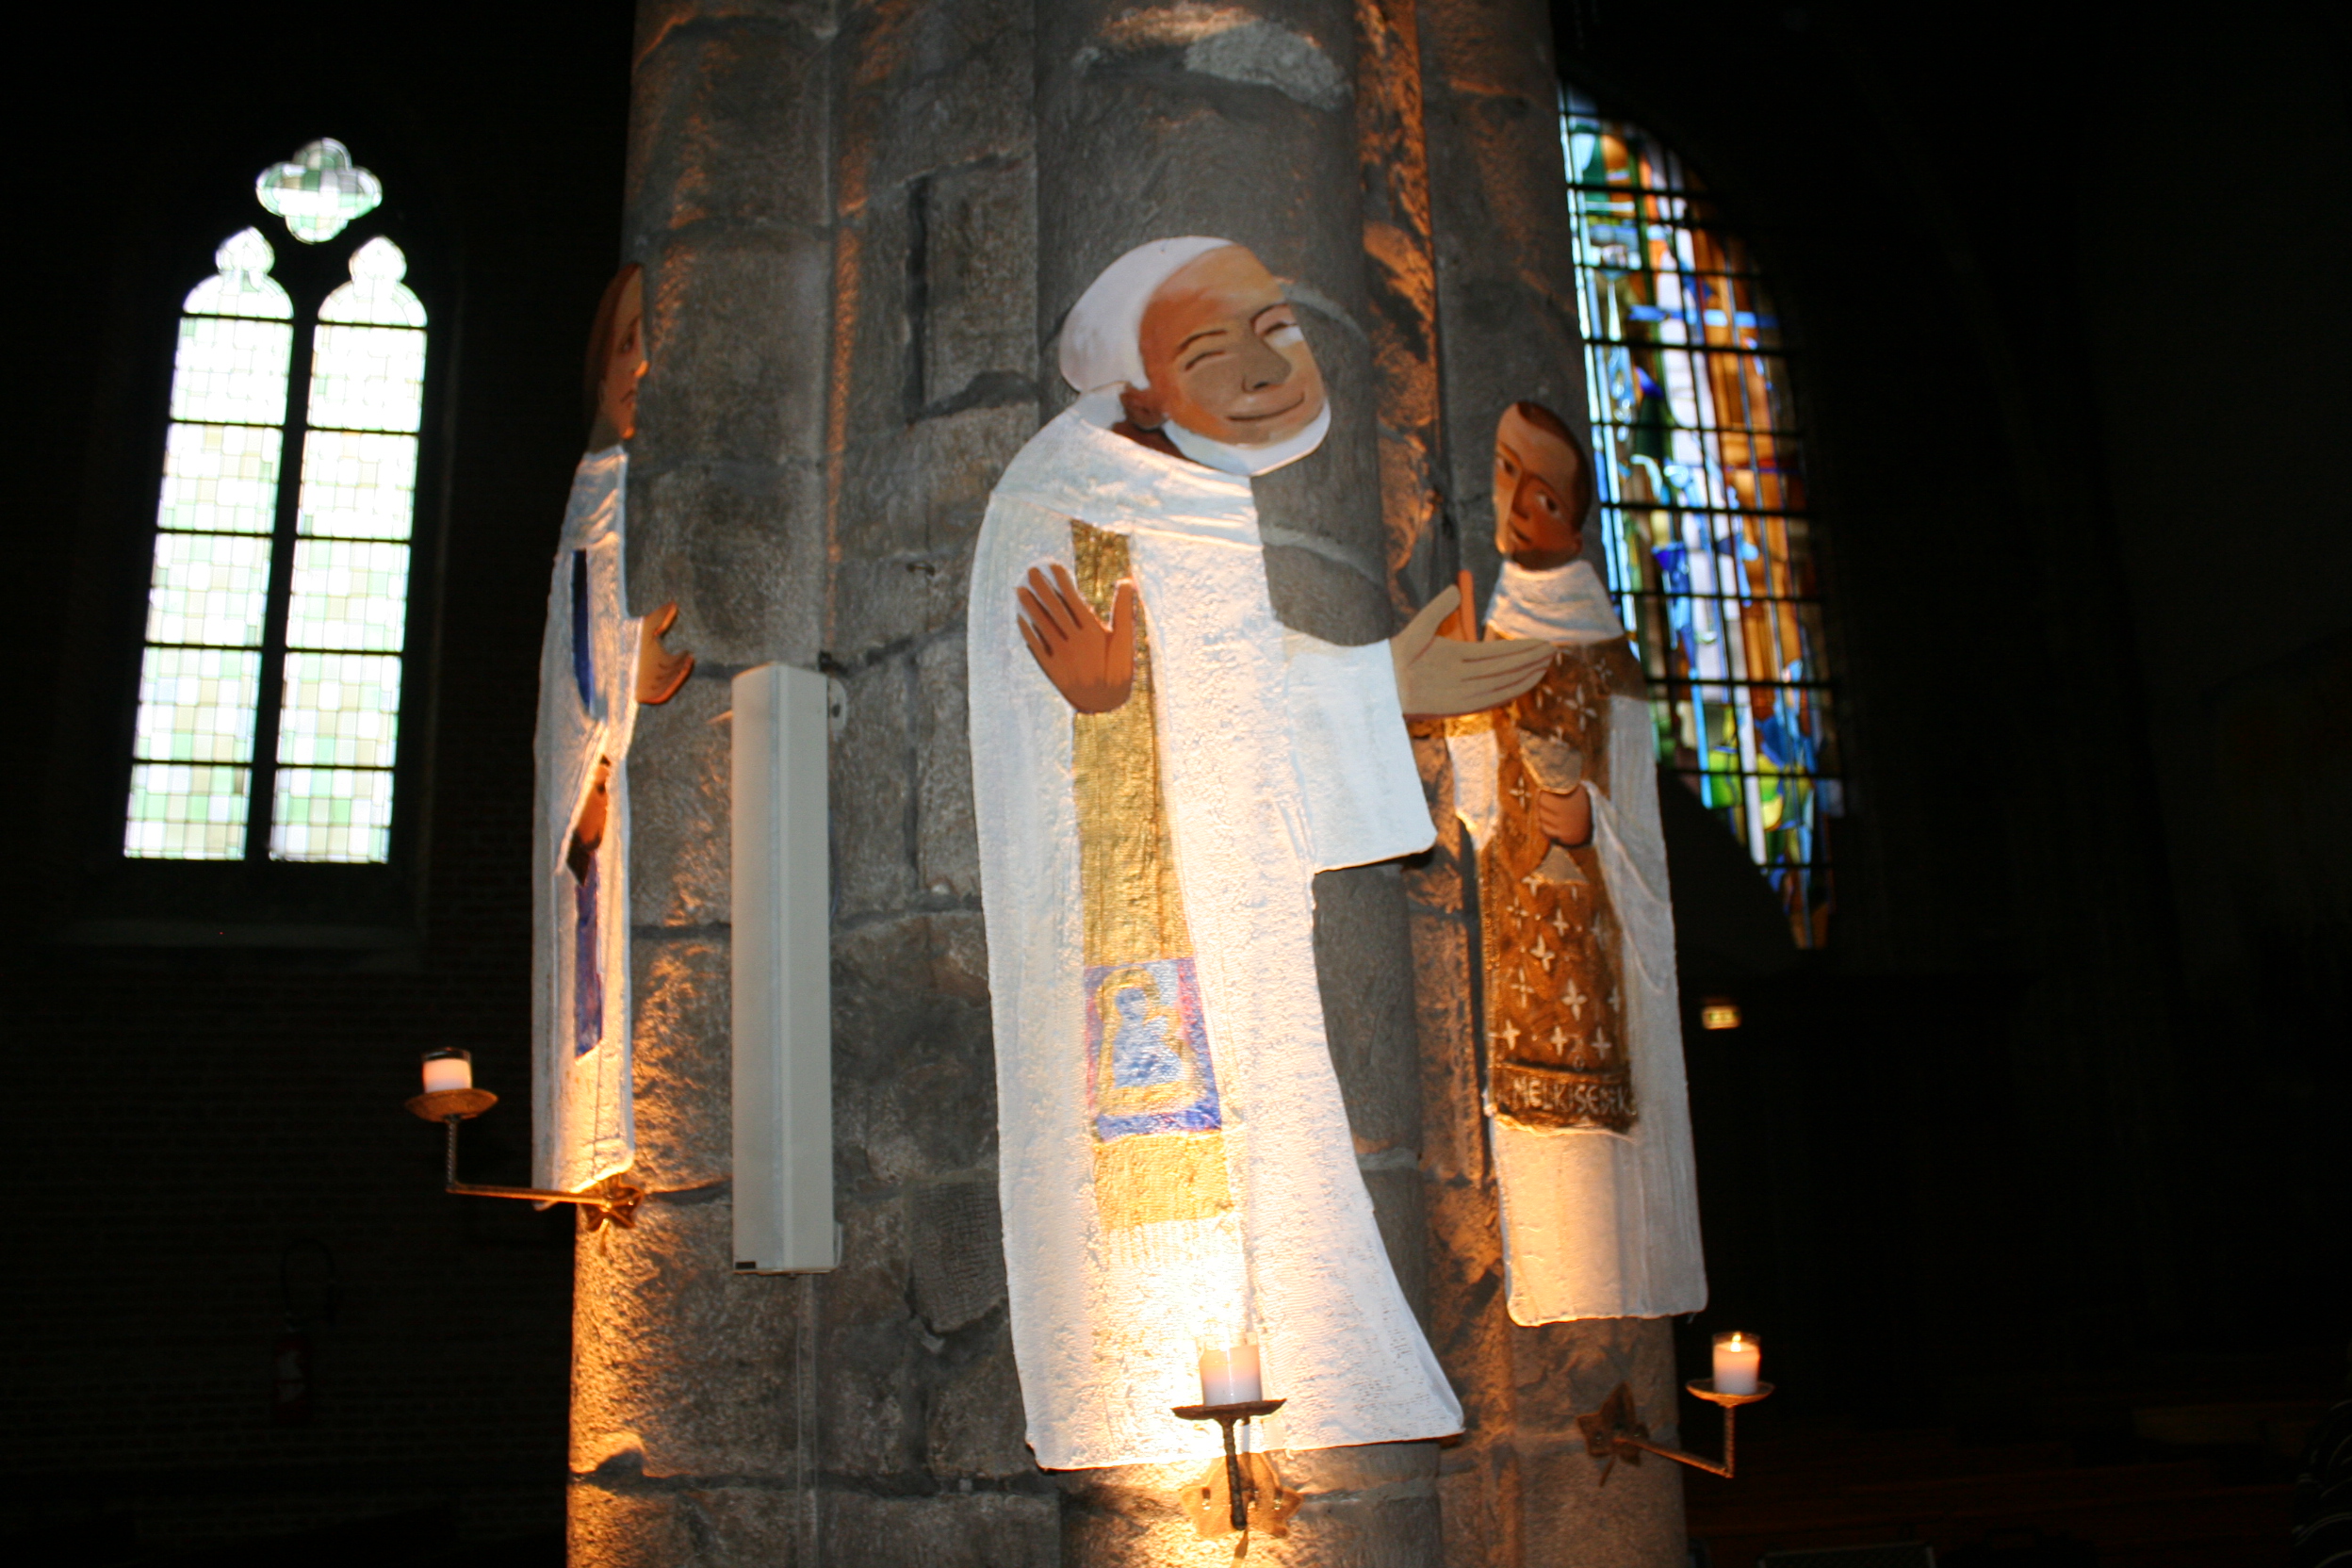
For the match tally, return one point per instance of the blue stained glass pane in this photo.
(1699, 459)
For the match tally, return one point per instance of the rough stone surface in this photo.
(971, 263)
(1504, 262)
(676, 1358)
(626, 1525)
(731, 375)
(914, 1086)
(735, 546)
(679, 832)
(979, 1529)
(976, 1427)
(685, 1134)
(729, 121)
(1360, 936)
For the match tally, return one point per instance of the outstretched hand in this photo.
(1092, 665)
(1439, 676)
(660, 672)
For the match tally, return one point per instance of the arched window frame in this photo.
(254, 900)
(1731, 630)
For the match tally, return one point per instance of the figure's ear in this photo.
(1143, 409)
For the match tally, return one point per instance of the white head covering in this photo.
(1103, 346)
(1101, 340)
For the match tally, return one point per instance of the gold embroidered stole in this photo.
(1152, 1093)
(1556, 1044)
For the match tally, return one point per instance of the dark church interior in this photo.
(2028, 1174)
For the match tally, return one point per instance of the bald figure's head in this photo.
(1543, 488)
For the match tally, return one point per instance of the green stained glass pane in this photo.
(317, 191)
(366, 377)
(375, 295)
(208, 588)
(340, 709)
(331, 814)
(231, 371)
(357, 485)
(349, 594)
(219, 479)
(242, 285)
(196, 704)
(1696, 448)
(186, 811)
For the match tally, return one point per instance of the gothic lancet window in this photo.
(1703, 501)
(277, 615)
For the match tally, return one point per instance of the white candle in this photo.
(1230, 1375)
(1738, 1358)
(452, 1072)
(1217, 1375)
(1248, 1384)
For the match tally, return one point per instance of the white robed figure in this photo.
(1158, 780)
(1587, 1105)
(597, 664)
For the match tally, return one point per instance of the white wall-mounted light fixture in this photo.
(782, 983)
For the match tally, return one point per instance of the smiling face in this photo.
(1540, 495)
(625, 365)
(1225, 356)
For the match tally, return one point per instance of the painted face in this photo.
(626, 365)
(1536, 482)
(1225, 355)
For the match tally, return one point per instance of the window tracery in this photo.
(1703, 503)
(302, 596)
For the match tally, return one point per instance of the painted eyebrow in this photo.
(1279, 304)
(1204, 332)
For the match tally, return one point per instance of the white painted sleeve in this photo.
(1477, 802)
(1356, 771)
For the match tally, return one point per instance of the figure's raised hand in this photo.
(1438, 676)
(1092, 665)
(660, 672)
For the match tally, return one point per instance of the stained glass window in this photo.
(1702, 502)
(252, 589)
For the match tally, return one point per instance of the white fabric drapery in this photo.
(583, 1128)
(1600, 1224)
(1280, 756)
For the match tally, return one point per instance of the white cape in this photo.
(1600, 1224)
(583, 1128)
(1281, 755)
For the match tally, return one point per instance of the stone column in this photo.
(1520, 1488)
(832, 204)
(1239, 120)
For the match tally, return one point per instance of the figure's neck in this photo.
(1155, 439)
(1543, 560)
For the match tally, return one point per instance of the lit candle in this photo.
(1230, 1375)
(1738, 1357)
(1248, 1384)
(449, 1069)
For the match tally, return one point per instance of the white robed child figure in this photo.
(1158, 778)
(597, 664)
(1585, 1095)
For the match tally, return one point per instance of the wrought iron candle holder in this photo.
(1616, 1431)
(1242, 1493)
(609, 1200)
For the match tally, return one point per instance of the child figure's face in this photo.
(1536, 475)
(626, 365)
(1225, 355)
